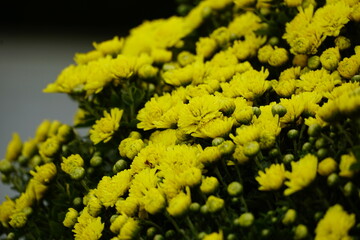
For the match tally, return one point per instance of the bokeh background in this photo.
(39, 39)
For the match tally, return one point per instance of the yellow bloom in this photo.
(241, 86)
(154, 201)
(179, 204)
(214, 204)
(105, 127)
(278, 57)
(335, 224)
(302, 174)
(345, 164)
(244, 3)
(161, 55)
(42, 130)
(248, 47)
(130, 147)
(29, 148)
(272, 178)
(122, 66)
(7, 208)
(293, 3)
(265, 53)
(166, 137)
(348, 67)
(109, 189)
(244, 24)
(221, 35)
(206, 47)
(214, 236)
(130, 229)
(18, 219)
(289, 217)
(128, 206)
(148, 157)
(210, 154)
(118, 223)
(112, 46)
(327, 166)
(14, 147)
(330, 58)
(84, 58)
(44, 173)
(88, 227)
(71, 162)
(243, 112)
(319, 80)
(70, 218)
(239, 154)
(209, 185)
(49, 148)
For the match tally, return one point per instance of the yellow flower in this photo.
(70, 218)
(348, 67)
(243, 112)
(84, 58)
(210, 154)
(248, 47)
(118, 223)
(148, 157)
(49, 148)
(130, 147)
(109, 189)
(14, 147)
(18, 219)
(302, 174)
(105, 127)
(161, 55)
(244, 3)
(44, 173)
(130, 229)
(319, 80)
(214, 236)
(209, 185)
(241, 86)
(214, 204)
(71, 162)
(29, 148)
(244, 24)
(88, 227)
(330, 58)
(42, 130)
(122, 66)
(179, 204)
(166, 137)
(293, 3)
(327, 166)
(272, 178)
(265, 53)
(289, 217)
(7, 208)
(206, 47)
(110, 46)
(278, 57)
(345, 165)
(154, 201)
(335, 224)
(239, 155)
(128, 206)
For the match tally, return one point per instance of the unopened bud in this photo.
(278, 109)
(235, 189)
(246, 219)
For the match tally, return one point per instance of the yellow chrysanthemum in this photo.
(105, 127)
(14, 147)
(88, 227)
(302, 174)
(272, 178)
(335, 224)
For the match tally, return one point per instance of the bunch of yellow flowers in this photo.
(235, 119)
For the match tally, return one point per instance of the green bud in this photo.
(235, 189)
(274, 219)
(135, 135)
(256, 111)
(204, 209)
(227, 147)
(27, 210)
(35, 161)
(274, 153)
(120, 165)
(201, 235)
(265, 232)
(314, 130)
(194, 207)
(65, 133)
(77, 201)
(273, 41)
(321, 142)
(77, 173)
(235, 200)
(293, 134)
(246, 219)
(307, 147)
(301, 232)
(279, 110)
(113, 218)
(206, 11)
(151, 231)
(5, 178)
(158, 237)
(170, 233)
(322, 153)
(251, 149)
(5, 166)
(349, 189)
(318, 216)
(217, 141)
(288, 158)
(96, 161)
(355, 78)
(23, 160)
(332, 179)
(231, 236)
(10, 236)
(313, 62)
(312, 139)
(90, 170)
(289, 217)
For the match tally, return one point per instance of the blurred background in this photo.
(39, 39)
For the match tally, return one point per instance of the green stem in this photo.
(176, 226)
(343, 131)
(191, 226)
(218, 174)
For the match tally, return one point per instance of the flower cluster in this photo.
(232, 120)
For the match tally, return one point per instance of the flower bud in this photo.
(278, 57)
(332, 179)
(194, 207)
(301, 232)
(77, 173)
(119, 166)
(246, 219)
(274, 153)
(327, 166)
(279, 110)
(256, 111)
(314, 130)
(5, 166)
(330, 58)
(217, 141)
(251, 149)
(65, 133)
(227, 147)
(96, 161)
(321, 142)
(159, 237)
(235, 189)
(214, 204)
(209, 185)
(322, 153)
(289, 217)
(77, 201)
(313, 62)
(179, 205)
(151, 231)
(288, 158)
(349, 189)
(293, 134)
(170, 234)
(342, 42)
